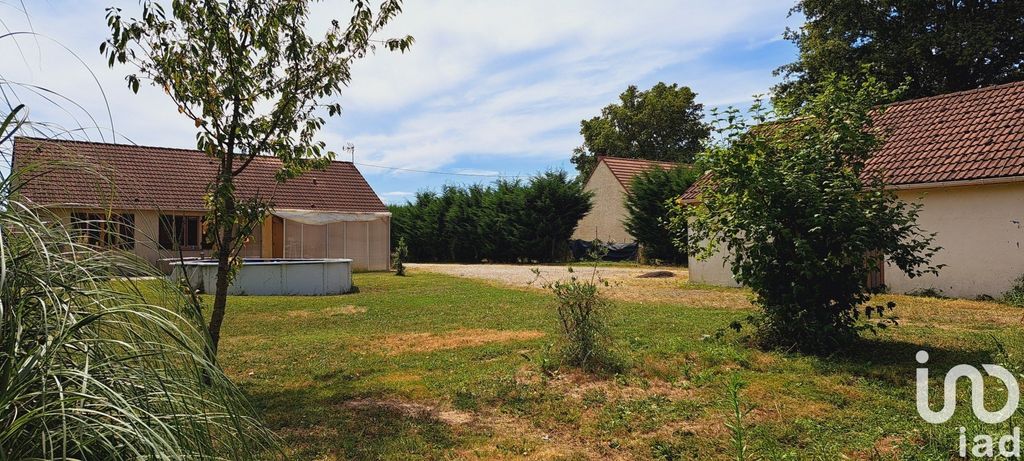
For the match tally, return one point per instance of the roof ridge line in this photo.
(956, 93)
(143, 146)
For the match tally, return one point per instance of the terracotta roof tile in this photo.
(965, 136)
(694, 190)
(138, 177)
(625, 169)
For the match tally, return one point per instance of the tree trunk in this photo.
(224, 248)
(220, 297)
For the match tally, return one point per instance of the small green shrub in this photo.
(398, 257)
(929, 293)
(1015, 295)
(581, 316)
(545, 360)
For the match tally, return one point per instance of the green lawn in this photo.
(436, 367)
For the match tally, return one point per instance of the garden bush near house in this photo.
(787, 204)
(1015, 295)
(650, 199)
(511, 221)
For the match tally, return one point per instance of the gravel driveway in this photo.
(522, 275)
(623, 282)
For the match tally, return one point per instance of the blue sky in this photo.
(490, 87)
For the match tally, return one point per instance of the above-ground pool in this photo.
(273, 276)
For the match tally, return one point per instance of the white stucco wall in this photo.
(712, 271)
(980, 229)
(604, 222)
(981, 234)
(368, 244)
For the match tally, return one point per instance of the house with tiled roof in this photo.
(961, 155)
(610, 182)
(155, 196)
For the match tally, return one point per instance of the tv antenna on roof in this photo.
(351, 149)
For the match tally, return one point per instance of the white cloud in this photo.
(63, 57)
(476, 172)
(501, 79)
(504, 79)
(396, 197)
(458, 40)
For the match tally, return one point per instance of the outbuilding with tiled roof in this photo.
(961, 155)
(158, 193)
(610, 183)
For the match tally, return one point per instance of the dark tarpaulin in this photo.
(581, 249)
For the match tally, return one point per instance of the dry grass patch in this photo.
(413, 409)
(773, 403)
(578, 384)
(344, 310)
(953, 313)
(455, 339)
(515, 438)
(677, 291)
(763, 361)
(328, 312)
(886, 448)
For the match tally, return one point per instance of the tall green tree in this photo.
(798, 223)
(650, 199)
(510, 221)
(256, 82)
(663, 123)
(940, 46)
(420, 223)
(553, 206)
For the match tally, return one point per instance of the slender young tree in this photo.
(256, 82)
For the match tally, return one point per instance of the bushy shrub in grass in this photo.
(1015, 295)
(581, 317)
(93, 366)
(582, 312)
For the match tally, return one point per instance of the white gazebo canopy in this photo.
(316, 218)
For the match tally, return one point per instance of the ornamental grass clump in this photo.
(95, 366)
